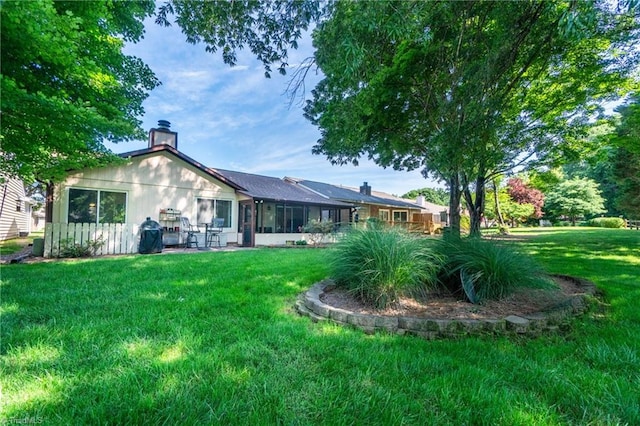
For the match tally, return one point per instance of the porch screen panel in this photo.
(83, 206)
(296, 221)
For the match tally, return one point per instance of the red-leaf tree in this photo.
(522, 193)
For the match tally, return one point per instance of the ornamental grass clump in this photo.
(378, 265)
(488, 270)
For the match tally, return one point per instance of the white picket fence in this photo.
(117, 238)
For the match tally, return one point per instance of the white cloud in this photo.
(235, 118)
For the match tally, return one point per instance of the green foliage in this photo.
(607, 222)
(488, 270)
(433, 195)
(626, 161)
(465, 90)
(379, 265)
(574, 199)
(70, 248)
(318, 230)
(301, 242)
(465, 223)
(66, 84)
(268, 28)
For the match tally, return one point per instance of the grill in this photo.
(150, 237)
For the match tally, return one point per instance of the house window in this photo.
(208, 209)
(383, 215)
(18, 205)
(400, 216)
(95, 206)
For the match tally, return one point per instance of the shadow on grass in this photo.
(209, 338)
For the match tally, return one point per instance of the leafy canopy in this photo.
(465, 90)
(67, 86)
(269, 28)
(433, 195)
(574, 199)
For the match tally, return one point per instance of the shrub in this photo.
(607, 222)
(69, 248)
(487, 269)
(379, 265)
(318, 230)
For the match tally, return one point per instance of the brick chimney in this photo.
(162, 135)
(365, 189)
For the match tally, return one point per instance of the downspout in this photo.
(4, 196)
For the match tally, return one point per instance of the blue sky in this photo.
(234, 118)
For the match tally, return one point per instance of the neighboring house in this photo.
(15, 210)
(376, 204)
(439, 213)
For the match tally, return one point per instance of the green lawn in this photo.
(211, 338)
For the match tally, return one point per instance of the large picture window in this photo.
(95, 206)
(208, 209)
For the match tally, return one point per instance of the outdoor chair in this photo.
(214, 229)
(191, 232)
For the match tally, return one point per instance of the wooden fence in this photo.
(631, 224)
(115, 238)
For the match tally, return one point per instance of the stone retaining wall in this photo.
(310, 305)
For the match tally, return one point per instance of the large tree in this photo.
(464, 90)
(626, 165)
(574, 199)
(66, 84)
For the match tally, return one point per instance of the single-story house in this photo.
(420, 216)
(162, 183)
(15, 209)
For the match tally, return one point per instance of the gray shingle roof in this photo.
(352, 196)
(276, 189)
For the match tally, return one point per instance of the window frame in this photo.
(98, 206)
(227, 221)
(404, 213)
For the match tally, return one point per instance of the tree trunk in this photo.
(454, 205)
(48, 209)
(475, 206)
(497, 203)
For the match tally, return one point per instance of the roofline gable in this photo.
(171, 150)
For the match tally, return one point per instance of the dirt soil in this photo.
(446, 306)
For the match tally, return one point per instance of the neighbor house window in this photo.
(400, 216)
(208, 209)
(96, 206)
(383, 215)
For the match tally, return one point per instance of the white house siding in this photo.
(12, 221)
(151, 182)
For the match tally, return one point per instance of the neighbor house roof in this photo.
(352, 195)
(276, 189)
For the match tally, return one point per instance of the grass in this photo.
(15, 245)
(211, 338)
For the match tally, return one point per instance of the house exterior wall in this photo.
(150, 182)
(15, 216)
